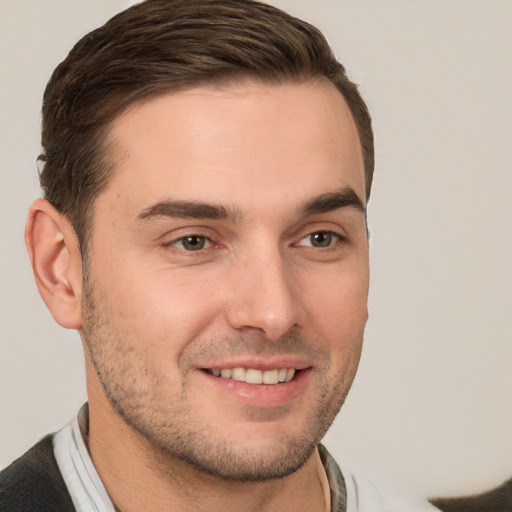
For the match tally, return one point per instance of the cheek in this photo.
(337, 300)
(337, 316)
(164, 308)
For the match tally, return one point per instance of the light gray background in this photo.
(431, 408)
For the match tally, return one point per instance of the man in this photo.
(206, 170)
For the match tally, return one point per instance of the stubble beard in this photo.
(171, 433)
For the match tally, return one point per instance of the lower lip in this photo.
(260, 395)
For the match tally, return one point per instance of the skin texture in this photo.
(273, 283)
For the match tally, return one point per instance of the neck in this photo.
(138, 477)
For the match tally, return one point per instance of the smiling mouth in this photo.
(255, 376)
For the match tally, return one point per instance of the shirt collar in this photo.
(82, 480)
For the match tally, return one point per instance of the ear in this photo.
(54, 253)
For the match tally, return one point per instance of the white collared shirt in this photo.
(82, 480)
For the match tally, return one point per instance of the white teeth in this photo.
(270, 377)
(226, 373)
(255, 376)
(238, 374)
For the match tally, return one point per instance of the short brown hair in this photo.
(159, 46)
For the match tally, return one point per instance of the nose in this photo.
(263, 296)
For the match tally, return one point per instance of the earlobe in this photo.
(54, 253)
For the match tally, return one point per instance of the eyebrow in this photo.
(330, 201)
(188, 210)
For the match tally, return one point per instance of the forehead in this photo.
(235, 142)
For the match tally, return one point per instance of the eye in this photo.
(320, 239)
(192, 242)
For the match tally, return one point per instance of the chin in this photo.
(250, 464)
(247, 453)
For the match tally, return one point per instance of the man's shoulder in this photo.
(33, 483)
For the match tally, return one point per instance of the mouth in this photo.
(256, 384)
(254, 375)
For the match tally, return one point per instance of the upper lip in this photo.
(260, 363)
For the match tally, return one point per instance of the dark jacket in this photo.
(33, 483)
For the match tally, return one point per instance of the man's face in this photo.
(230, 241)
